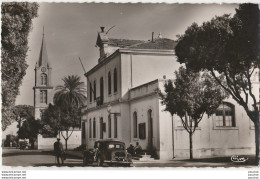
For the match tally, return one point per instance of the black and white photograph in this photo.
(130, 85)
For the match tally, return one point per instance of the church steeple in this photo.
(43, 57)
(43, 89)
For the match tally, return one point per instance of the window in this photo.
(43, 79)
(101, 128)
(90, 92)
(115, 80)
(109, 83)
(90, 132)
(225, 115)
(115, 126)
(142, 131)
(83, 133)
(101, 90)
(94, 128)
(135, 124)
(109, 126)
(95, 90)
(43, 96)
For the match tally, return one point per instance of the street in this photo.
(36, 158)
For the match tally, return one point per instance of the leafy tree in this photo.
(192, 96)
(30, 129)
(16, 24)
(22, 112)
(55, 120)
(227, 47)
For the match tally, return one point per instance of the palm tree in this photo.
(69, 98)
(71, 94)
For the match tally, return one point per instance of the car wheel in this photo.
(99, 162)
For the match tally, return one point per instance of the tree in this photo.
(16, 24)
(192, 96)
(65, 114)
(71, 94)
(22, 112)
(30, 129)
(55, 120)
(227, 47)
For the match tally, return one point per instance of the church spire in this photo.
(43, 58)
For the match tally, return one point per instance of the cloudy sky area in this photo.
(71, 32)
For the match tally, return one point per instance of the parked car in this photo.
(111, 152)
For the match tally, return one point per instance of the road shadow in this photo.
(33, 152)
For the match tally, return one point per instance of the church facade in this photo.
(123, 104)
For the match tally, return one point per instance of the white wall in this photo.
(47, 143)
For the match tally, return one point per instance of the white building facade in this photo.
(127, 76)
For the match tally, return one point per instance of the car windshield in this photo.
(116, 146)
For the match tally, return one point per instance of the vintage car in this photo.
(110, 152)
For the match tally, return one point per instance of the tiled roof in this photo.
(160, 43)
(123, 42)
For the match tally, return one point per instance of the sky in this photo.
(70, 31)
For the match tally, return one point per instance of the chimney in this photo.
(102, 29)
(152, 36)
(160, 35)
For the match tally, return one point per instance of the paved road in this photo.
(16, 157)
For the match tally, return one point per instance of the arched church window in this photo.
(225, 115)
(43, 96)
(43, 79)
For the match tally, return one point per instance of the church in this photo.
(43, 96)
(123, 104)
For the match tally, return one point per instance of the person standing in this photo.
(58, 150)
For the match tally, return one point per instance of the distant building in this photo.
(125, 81)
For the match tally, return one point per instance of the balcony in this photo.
(100, 100)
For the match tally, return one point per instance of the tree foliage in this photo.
(71, 94)
(55, 120)
(16, 24)
(22, 112)
(30, 129)
(190, 97)
(228, 48)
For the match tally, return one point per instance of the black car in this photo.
(111, 152)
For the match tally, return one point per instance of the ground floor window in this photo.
(89, 125)
(94, 128)
(135, 124)
(83, 133)
(225, 115)
(115, 126)
(109, 126)
(142, 131)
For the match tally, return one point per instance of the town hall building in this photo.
(123, 104)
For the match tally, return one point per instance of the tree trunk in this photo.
(66, 144)
(191, 146)
(257, 137)
(172, 138)
(66, 140)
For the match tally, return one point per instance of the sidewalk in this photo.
(181, 162)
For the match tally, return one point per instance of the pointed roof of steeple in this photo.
(43, 58)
